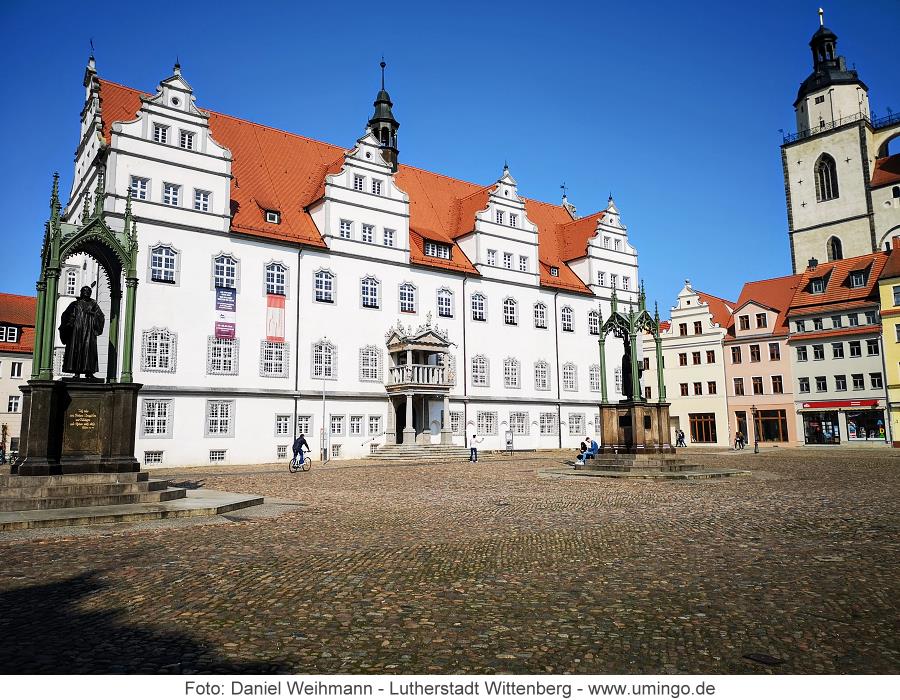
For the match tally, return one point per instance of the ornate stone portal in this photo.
(85, 425)
(634, 425)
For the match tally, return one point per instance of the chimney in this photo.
(895, 243)
(812, 264)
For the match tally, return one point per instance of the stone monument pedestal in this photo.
(635, 427)
(77, 427)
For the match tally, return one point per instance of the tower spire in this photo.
(383, 125)
(383, 66)
(821, 17)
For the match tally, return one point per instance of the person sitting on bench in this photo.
(591, 451)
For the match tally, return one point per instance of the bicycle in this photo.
(299, 465)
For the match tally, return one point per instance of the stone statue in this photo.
(82, 322)
(626, 370)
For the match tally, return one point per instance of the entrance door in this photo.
(400, 420)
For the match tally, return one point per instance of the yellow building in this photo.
(889, 291)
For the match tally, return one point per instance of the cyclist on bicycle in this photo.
(299, 444)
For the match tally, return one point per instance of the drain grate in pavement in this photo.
(764, 659)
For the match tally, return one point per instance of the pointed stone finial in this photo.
(614, 301)
(687, 283)
(86, 210)
(383, 66)
(821, 17)
(656, 313)
(128, 211)
(54, 198)
(642, 298)
(99, 192)
(134, 239)
(176, 69)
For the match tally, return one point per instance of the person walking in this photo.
(739, 440)
(473, 451)
(679, 441)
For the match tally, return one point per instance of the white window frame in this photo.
(202, 200)
(230, 271)
(594, 380)
(367, 233)
(540, 315)
(222, 355)
(282, 424)
(577, 425)
(548, 424)
(359, 183)
(156, 262)
(336, 425)
(345, 229)
(370, 364)
(219, 413)
(437, 250)
(158, 344)
(276, 278)
(389, 237)
(513, 219)
(447, 295)
(71, 283)
(139, 188)
(377, 186)
(594, 322)
(479, 311)
(160, 133)
(408, 297)
(374, 424)
(304, 424)
(150, 411)
(507, 261)
(327, 369)
(370, 292)
(324, 286)
(274, 359)
(186, 140)
(510, 312)
(171, 194)
(569, 374)
(486, 423)
(481, 371)
(511, 374)
(523, 263)
(518, 422)
(566, 315)
(542, 376)
(355, 425)
(492, 258)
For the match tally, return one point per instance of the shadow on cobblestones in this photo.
(55, 628)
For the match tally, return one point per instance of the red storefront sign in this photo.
(847, 403)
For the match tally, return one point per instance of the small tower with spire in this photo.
(383, 124)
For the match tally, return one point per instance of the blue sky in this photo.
(673, 107)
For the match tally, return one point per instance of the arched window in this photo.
(324, 364)
(566, 317)
(71, 282)
(540, 315)
(594, 378)
(480, 373)
(162, 264)
(511, 373)
(407, 298)
(478, 307)
(541, 376)
(445, 303)
(323, 286)
(510, 312)
(276, 279)
(368, 290)
(369, 364)
(835, 249)
(826, 178)
(225, 271)
(594, 322)
(569, 377)
(895, 192)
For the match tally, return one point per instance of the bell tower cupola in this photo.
(383, 125)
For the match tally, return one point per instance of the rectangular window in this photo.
(513, 219)
(761, 320)
(518, 422)
(852, 320)
(698, 327)
(368, 233)
(757, 385)
(858, 382)
(304, 425)
(872, 346)
(736, 355)
(818, 324)
(744, 322)
(684, 389)
(273, 217)
(445, 303)
(822, 384)
(804, 385)
(601, 278)
(337, 425)
(170, 193)
(336, 451)
(695, 357)
(840, 382)
(282, 424)
(346, 228)
(356, 425)
(710, 358)
(140, 187)
(201, 200)
(15, 369)
(702, 427)
(437, 250)
(281, 452)
(774, 351)
(376, 186)
(523, 263)
(576, 424)
(541, 377)
(273, 359)
(389, 237)
(617, 243)
(771, 426)
(836, 322)
(896, 292)
(276, 279)
(754, 353)
(897, 331)
(456, 422)
(837, 351)
(698, 388)
(801, 353)
(492, 257)
(817, 286)
(217, 455)
(626, 282)
(548, 424)
(153, 457)
(160, 133)
(324, 360)
(857, 279)
(682, 359)
(13, 405)
(855, 348)
(801, 326)
(374, 426)
(875, 380)
(614, 280)
(187, 140)
(647, 394)
(738, 386)
(606, 241)
(359, 183)
(499, 216)
(507, 261)
(407, 299)
(777, 384)
(486, 423)
(818, 352)
(682, 327)
(871, 317)
(222, 356)
(219, 418)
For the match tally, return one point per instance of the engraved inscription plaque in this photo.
(81, 434)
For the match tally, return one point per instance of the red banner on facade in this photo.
(847, 403)
(275, 318)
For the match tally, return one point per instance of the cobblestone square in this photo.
(486, 568)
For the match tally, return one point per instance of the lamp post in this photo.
(324, 424)
(755, 412)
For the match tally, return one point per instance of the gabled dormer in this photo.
(611, 261)
(361, 208)
(500, 238)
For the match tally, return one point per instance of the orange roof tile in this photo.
(886, 172)
(837, 290)
(828, 308)
(835, 332)
(719, 308)
(275, 169)
(892, 266)
(17, 309)
(775, 293)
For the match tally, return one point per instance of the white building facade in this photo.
(289, 286)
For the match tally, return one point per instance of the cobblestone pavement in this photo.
(479, 568)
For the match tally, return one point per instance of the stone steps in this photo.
(76, 490)
(7, 480)
(87, 501)
(414, 454)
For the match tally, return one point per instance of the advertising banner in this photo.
(275, 318)
(226, 305)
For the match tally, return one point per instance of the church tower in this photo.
(831, 162)
(383, 124)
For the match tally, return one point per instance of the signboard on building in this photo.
(226, 305)
(275, 318)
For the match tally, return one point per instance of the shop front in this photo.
(831, 422)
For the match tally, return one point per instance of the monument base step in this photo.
(689, 472)
(199, 502)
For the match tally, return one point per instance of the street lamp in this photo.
(324, 424)
(754, 412)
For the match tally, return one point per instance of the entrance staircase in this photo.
(421, 454)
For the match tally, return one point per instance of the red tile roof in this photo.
(835, 332)
(18, 310)
(828, 308)
(719, 308)
(278, 170)
(775, 294)
(892, 266)
(837, 289)
(886, 172)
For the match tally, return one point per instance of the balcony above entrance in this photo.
(420, 361)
